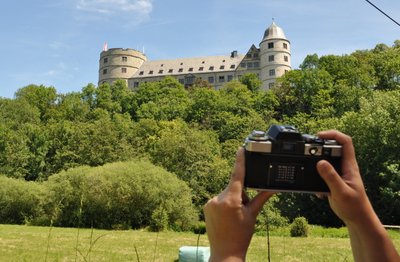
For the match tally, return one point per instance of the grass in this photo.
(27, 243)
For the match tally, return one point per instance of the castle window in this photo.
(141, 73)
(162, 65)
(286, 71)
(211, 79)
(105, 60)
(189, 80)
(271, 58)
(124, 59)
(286, 58)
(256, 64)
(285, 45)
(249, 65)
(170, 70)
(201, 68)
(222, 67)
(123, 70)
(181, 80)
(211, 68)
(135, 84)
(203, 62)
(248, 56)
(255, 55)
(242, 64)
(104, 71)
(221, 79)
(191, 69)
(232, 66)
(223, 61)
(160, 71)
(272, 72)
(230, 77)
(180, 70)
(270, 45)
(150, 72)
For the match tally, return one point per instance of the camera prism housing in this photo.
(285, 160)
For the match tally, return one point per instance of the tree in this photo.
(375, 130)
(387, 68)
(194, 156)
(310, 62)
(163, 100)
(298, 88)
(41, 97)
(252, 81)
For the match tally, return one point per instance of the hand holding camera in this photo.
(285, 160)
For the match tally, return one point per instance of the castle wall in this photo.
(119, 63)
(270, 61)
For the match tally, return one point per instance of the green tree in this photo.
(163, 100)
(310, 62)
(42, 97)
(298, 88)
(252, 81)
(194, 156)
(375, 130)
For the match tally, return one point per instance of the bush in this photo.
(299, 227)
(20, 201)
(131, 194)
(159, 220)
(199, 228)
(270, 215)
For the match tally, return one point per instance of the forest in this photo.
(111, 157)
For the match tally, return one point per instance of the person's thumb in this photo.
(330, 176)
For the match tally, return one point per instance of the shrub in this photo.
(20, 201)
(159, 220)
(299, 227)
(199, 228)
(270, 215)
(124, 193)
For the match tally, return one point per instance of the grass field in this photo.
(27, 243)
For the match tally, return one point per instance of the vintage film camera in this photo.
(285, 160)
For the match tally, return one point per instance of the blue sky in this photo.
(58, 42)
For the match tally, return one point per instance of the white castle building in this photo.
(270, 61)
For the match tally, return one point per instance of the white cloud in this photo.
(110, 7)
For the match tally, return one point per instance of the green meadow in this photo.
(28, 243)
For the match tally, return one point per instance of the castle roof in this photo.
(274, 32)
(195, 65)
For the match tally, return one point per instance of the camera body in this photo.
(285, 160)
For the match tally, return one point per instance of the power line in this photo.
(383, 12)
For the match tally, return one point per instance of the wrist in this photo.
(228, 258)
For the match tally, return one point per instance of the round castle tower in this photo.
(119, 63)
(275, 55)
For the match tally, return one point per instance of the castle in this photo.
(270, 61)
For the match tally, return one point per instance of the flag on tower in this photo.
(105, 46)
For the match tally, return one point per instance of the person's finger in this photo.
(321, 195)
(245, 198)
(256, 204)
(344, 140)
(330, 176)
(237, 178)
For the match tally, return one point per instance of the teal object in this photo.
(194, 254)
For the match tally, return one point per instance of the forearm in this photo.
(370, 241)
(227, 259)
